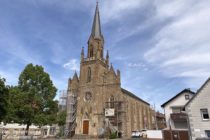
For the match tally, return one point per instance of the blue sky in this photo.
(160, 46)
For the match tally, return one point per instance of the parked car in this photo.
(143, 133)
(135, 134)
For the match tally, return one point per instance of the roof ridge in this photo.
(198, 91)
(184, 90)
(133, 95)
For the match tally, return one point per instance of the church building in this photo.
(96, 99)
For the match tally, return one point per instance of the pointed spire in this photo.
(107, 58)
(96, 28)
(111, 68)
(82, 54)
(75, 76)
(107, 54)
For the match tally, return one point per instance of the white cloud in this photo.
(11, 44)
(182, 48)
(72, 64)
(140, 65)
(11, 77)
(58, 52)
(116, 9)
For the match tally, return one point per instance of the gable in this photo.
(181, 94)
(203, 94)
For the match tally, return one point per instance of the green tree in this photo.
(14, 101)
(61, 121)
(3, 99)
(35, 97)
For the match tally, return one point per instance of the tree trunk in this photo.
(27, 129)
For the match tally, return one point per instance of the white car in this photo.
(143, 133)
(135, 134)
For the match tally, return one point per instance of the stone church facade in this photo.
(97, 91)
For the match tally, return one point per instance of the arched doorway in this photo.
(85, 127)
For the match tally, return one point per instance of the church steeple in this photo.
(96, 27)
(96, 40)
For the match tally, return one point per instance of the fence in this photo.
(154, 134)
(175, 135)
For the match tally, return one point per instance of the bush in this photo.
(113, 135)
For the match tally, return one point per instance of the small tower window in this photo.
(91, 52)
(89, 75)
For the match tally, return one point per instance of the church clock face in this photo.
(88, 96)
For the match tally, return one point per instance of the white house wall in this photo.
(178, 101)
(197, 124)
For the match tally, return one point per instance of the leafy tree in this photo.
(3, 99)
(61, 119)
(14, 101)
(34, 97)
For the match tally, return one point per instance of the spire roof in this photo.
(75, 76)
(82, 52)
(112, 68)
(107, 54)
(96, 28)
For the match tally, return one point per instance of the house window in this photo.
(176, 110)
(187, 97)
(205, 114)
(89, 75)
(208, 133)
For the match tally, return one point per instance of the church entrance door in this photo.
(85, 126)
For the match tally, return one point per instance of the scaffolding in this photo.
(71, 114)
(62, 100)
(117, 121)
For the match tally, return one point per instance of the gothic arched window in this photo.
(89, 75)
(112, 101)
(91, 51)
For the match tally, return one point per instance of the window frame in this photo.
(207, 133)
(187, 97)
(203, 113)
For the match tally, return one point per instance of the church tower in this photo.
(96, 39)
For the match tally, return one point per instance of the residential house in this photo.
(160, 119)
(198, 109)
(174, 110)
